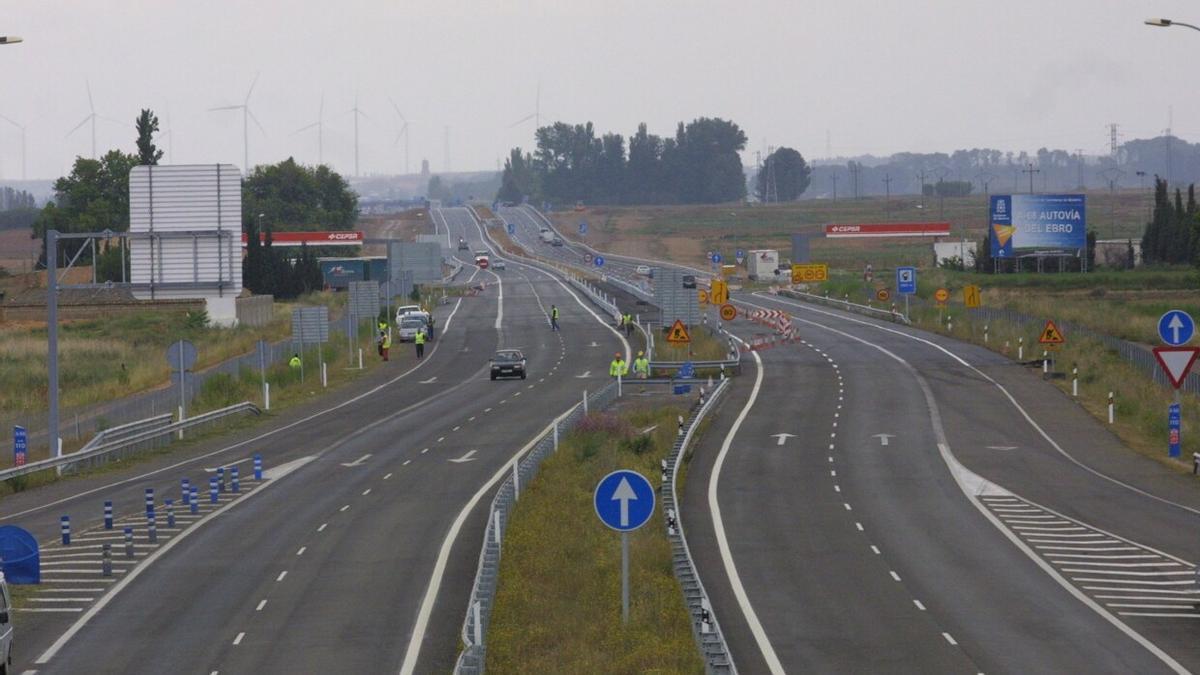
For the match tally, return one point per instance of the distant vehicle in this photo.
(481, 259)
(409, 326)
(557, 241)
(508, 363)
(462, 244)
(579, 206)
(689, 281)
(415, 310)
(546, 236)
(499, 265)
(6, 626)
(644, 270)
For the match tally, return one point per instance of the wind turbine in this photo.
(90, 118)
(320, 125)
(357, 113)
(403, 132)
(22, 128)
(536, 115)
(246, 117)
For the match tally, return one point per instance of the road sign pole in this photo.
(182, 386)
(625, 577)
(52, 337)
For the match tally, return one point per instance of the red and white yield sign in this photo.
(1176, 362)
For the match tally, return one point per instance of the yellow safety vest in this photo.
(295, 362)
(641, 365)
(419, 338)
(616, 368)
(387, 341)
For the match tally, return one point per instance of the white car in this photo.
(643, 270)
(409, 326)
(499, 265)
(6, 627)
(406, 309)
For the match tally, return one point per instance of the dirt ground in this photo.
(404, 226)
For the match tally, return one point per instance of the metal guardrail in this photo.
(483, 593)
(102, 451)
(847, 305)
(705, 627)
(126, 430)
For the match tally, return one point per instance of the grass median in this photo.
(558, 603)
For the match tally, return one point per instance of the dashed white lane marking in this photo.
(322, 527)
(406, 463)
(439, 440)
(387, 476)
(949, 638)
(837, 488)
(261, 604)
(238, 640)
(487, 410)
(894, 575)
(847, 506)
(425, 450)
(859, 526)
(455, 429)
(366, 492)
(344, 507)
(832, 472)
(918, 604)
(875, 549)
(281, 576)
(471, 418)
(302, 550)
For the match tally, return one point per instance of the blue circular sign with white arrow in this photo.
(624, 500)
(716, 258)
(583, 227)
(599, 260)
(1176, 327)
(512, 229)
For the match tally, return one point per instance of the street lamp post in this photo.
(9, 39)
(1167, 23)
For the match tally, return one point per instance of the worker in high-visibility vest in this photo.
(294, 362)
(385, 343)
(618, 368)
(419, 341)
(628, 325)
(641, 366)
(553, 317)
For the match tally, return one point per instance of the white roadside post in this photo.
(1021, 349)
(1110, 407)
(1075, 381)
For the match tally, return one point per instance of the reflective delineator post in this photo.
(1020, 349)
(1110, 407)
(1075, 381)
(213, 490)
(1045, 362)
(478, 628)
(496, 526)
(65, 524)
(108, 515)
(185, 489)
(149, 502)
(170, 504)
(220, 479)
(516, 480)
(234, 482)
(556, 435)
(151, 528)
(258, 466)
(585, 412)
(266, 395)
(106, 561)
(193, 499)
(129, 542)
(985, 333)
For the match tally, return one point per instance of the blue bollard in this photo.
(257, 466)
(108, 515)
(185, 488)
(212, 490)
(193, 501)
(129, 542)
(170, 503)
(66, 530)
(151, 529)
(149, 501)
(220, 479)
(234, 484)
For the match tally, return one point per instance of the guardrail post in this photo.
(193, 499)
(65, 525)
(1075, 381)
(149, 502)
(185, 486)
(106, 561)
(129, 542)
(213, 490)
(220, 479)
(151, 528)
(234, 484)
(108, 515)
(516, 480)
(1111, 407)
(257, 466)
(170, 504)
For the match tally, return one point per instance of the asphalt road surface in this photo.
(916, 520)
(335, 567)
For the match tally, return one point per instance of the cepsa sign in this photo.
(888, 230)
(311, 238)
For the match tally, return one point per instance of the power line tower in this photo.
(887, 182)
(1113, 135)
(1170, 121)
(770, 189)
(855, 169)
(1079, 163)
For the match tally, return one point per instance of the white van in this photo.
(6, 627)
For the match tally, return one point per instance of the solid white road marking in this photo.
(359, 461)
(465, 458)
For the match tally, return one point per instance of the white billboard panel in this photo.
(186, 222)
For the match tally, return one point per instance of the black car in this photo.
(689, 281)
(462, 245)
(508, 363)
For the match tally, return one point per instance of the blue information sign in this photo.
(683, 389)
(716, 258)
(740, 255)
(512, 229)
(20, 445)
(599, 261)
(1176, 327)
(687, 371)
(624, 500)
(906, 280)
(1036, 222)
(1173, 429)
(582, 227)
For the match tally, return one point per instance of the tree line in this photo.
(700, 164)
(1173, 233)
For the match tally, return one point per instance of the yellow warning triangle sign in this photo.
(678, 333)
(1051, 335)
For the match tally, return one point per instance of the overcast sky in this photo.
(877, 77)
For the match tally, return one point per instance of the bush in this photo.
(638, 445)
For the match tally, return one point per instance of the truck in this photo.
(481, 259)
(762, 263)
(546, 236)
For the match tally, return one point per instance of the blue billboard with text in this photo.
(1036, 222)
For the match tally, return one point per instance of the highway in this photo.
(916, 520)
(357, 560)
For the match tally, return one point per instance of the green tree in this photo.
(147, 125)
(299, 197)
(92, 198)
(790, 172)
(437, 189)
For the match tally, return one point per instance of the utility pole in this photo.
(833, 177)
(887, 182)
(1079, 161)
(1030, 170)
(921, 174)
(855, 169)
(1112, 174)
(940, 173)
(770, 189)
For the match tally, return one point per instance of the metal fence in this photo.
(483, 593)
(890, 315)
(705, 628)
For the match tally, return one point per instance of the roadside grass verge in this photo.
(558, 602)
(1141, 405)
(706, 345)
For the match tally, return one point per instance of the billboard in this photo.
(1036, 222)
(888, 230)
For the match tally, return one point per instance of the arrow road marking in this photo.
(883, 438)
(1175, 324)
(357, 462)
(593, 344)
(465, 458)
(585, 374)
(430, 380)
(782, 438)
(624, 493)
